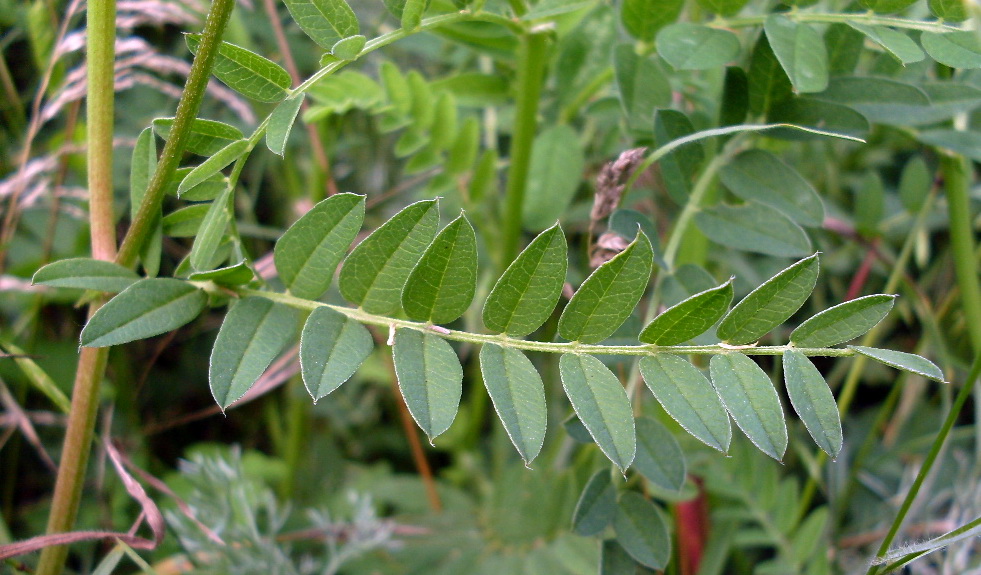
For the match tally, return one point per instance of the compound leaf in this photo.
(813, 401)
(749, 396)
(375, 272)
(843, 322)
(254, 332)
(308, 253)
(332, 348)
(690, 318)
(430, 378)
(771, 304)
(602, 406)
(86, 273)
(608, 296)
(688, 397)
(525, 295)
(518, 395)
(901, 360)
(148, 307)
(442, 285)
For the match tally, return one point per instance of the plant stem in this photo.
(100, 60)
(531, 69)
(866, 18)
(187, 111)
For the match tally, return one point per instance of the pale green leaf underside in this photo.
(430, 378)
(142, 167)
(800, 51)
(206, 137)
(659, 457)
(602, 406)
(281, 123)
(324, 21)
(688, 397)
(246, 72)
(608, 296)
(526, 294)
(753, 227)
(896, 43)
(955, 49)
(254, 332)
(147, 308)
(760, 176)
(332, 348)
(642, 531)
(749, 396)
(375, 272)
(689, 46)
(213, 165)
(442, 285)
(843, 322)
(813, 401)
(557, 163)
(86, 273)
(518, 394)
(771, 304)
(904, 361)
(308, 253)
(689, 318)
(211, 231)
(597, 505)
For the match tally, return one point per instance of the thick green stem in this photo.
(187, 111)
(531, 69)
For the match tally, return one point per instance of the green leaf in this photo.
(845, 46)
(897, 44)
(954, 49)
(602, 406)
(643, 18)
(757, 175)
(412, 11)
(202, 192)
(915, 184)
(886, 6)
(324, 21)
(213, 165)
(880, 100)
(688, 397)
(751, 400)
(678, 167)
(735, 97)
(246, 72)
(869, 205)
(234, 275)
(949, 10)
(142, 168)
(185, 222)
(724, 8)
(206, 137)
(689, 46)
(904, 361)
(768, 83)
(843, 322)
(332, 347)
(430, 378)
(518, 395)
(771, 304)
(608, 296)
(147, 308)
(642, 86)
(813, 114)
(801, 53)
(525, 295)
(86, 273)
(614, 560)
(211, 231)
(375, 272)
(642, 531)
(442, 285)
(281, 123)
(690, 318)
(659, 457)
(308, 253)
(813, 401)
(964, 143)
(753, 227)
(349, 48)
(37, 376)
(254, 332)
(557, 163)
(597, 505)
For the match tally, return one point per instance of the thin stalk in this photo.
(100, 59)
(187, 111)
(531, 71)
(866, 18)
